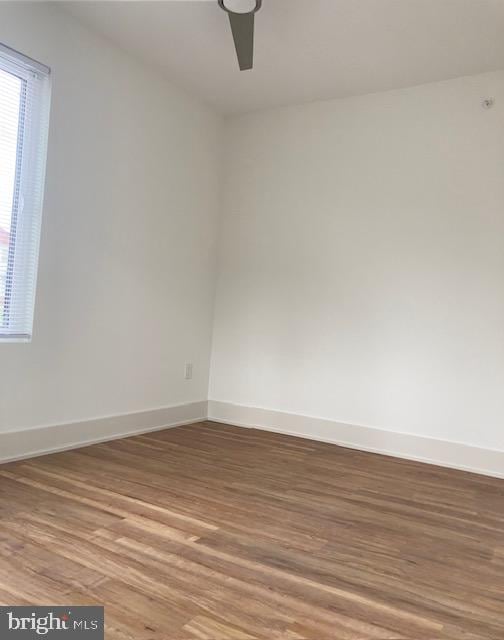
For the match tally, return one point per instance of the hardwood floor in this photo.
(214, 532)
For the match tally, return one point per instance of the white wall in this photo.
(362, 262)
(127, 260)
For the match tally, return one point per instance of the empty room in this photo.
(252, 319)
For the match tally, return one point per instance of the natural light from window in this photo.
(24, 123)
(10, 101)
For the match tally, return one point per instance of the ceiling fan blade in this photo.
(242, 26)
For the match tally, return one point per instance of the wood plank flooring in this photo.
(214, 532)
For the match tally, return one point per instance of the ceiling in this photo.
(305, 50)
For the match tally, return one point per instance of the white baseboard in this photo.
(37, 441)
(401, 445)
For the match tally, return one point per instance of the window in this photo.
(24, 114)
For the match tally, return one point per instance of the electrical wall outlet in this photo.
(188, 371)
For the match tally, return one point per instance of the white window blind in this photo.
(24, 118)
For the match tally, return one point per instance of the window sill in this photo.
(15, 338)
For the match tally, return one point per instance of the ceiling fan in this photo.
(242, 27)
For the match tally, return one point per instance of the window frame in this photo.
(25, 222)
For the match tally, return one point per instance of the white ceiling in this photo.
(306, 49)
